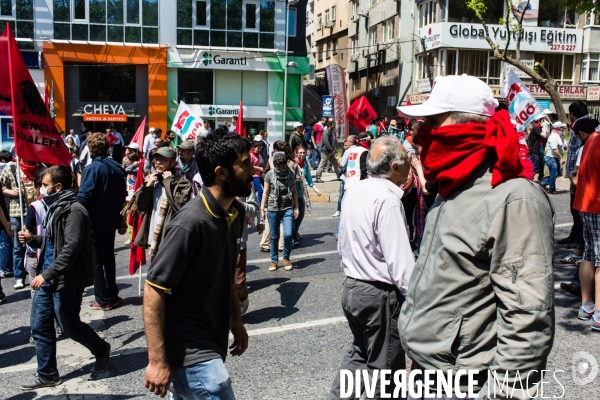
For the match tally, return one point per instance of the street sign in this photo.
(327, 106)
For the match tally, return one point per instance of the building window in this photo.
(320, 52)
(19, 15)
(7, 9)
(319, 21)
(195, 86)
(553, 14)
(292, 22)
(333, 13)
(118, 83)
(389, 29)
(356, 7)
(356, 83)
(589, 67)
(448, 60)
(373, 36)
(389, 75)
(335, 46)
(592, 18)
(202, 14)
(559, 66)
(443, 10)
(130, 21)
(426, 13)
(480, 64)
(328, 50)
(457, 11)
(354, 44)
(232, 23)
(327, 18)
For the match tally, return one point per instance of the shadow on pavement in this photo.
(254, 286)
(15, 337)
(291, 292)
(268, 314)
(16, 357)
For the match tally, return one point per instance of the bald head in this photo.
(388, 159)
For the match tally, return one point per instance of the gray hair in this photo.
(391, 152)
(459, 117)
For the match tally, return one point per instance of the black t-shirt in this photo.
(533, 140)
(196, 264)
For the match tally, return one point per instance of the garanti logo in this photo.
(207, 59)
(211, 110)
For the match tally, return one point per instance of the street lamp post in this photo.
(285, 72)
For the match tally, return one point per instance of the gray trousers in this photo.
(328, 157)
(372, 310)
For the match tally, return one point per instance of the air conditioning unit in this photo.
(354, 56)
(328, 24)
(375, 92)
(391, 101)
(354, 18)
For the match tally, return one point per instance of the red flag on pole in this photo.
(360, 113)
(137, 255)
(239, 128)
(36, 137)
(139, 135)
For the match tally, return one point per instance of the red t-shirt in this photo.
(318, 132)
(587, 195)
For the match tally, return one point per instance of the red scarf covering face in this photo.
(451, 153)
(28, 170)
(366, 143)
(300, 162)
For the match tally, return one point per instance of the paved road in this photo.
(297, 330)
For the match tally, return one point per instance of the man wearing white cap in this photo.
(149, 142)
(552, 155)
(297, 138)
(481, 296)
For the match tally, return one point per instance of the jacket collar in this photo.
(389, 185)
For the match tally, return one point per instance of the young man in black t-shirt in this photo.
(190, 299)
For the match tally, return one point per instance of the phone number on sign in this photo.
(565, 47)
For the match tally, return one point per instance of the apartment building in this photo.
(452, 41)
(330, 35)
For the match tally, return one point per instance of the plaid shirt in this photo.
(9, 182)
(574, 145)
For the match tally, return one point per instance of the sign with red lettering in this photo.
(36, 137)
(522, 107)
(565, 92)
(105, 117)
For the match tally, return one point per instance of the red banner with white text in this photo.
(36, 137)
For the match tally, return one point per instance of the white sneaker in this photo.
(127, 242)
(19, 284)
(337, 214)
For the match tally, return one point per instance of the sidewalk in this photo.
(331, 188)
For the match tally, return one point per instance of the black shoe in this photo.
(265, 250)
(102, 362)
(2, 296)
(6, 274)
(37, 383)
(319, 181)
(571, 288)
(566, 240)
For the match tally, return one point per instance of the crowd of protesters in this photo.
(453, 264)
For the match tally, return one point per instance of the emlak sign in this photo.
(472, 36)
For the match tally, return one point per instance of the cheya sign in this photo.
(103, 109)
(472, 36)
(208, 59)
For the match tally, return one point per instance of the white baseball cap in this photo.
(133, 146)
(258, 138)
(558, 125)
(462, 93)
(151, 130)
(546, 111)
(297, 124)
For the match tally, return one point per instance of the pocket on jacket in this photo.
(453, 343)
(529, 282)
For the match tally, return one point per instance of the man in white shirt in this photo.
(75, 137)
(149, 142)
(377, 260)
(553, 156)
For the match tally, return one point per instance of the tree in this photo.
(539, 74)
(581, 6)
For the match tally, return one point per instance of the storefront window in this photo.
(459, 12)
(232, 23)
(195, 86)
(480, 64)
(6, 8)
(559, 66)
(107, 83)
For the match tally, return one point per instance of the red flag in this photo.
(36, 137)
(360, 113)
(139, 136)
(239, 128)
(137, 255)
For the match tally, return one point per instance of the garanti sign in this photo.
(472, 36)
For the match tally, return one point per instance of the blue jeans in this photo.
(535, 160)
(298, 221)
(341, 194)
(18, 250)
(6, 250)
(276, 218)
(318, 156)
(259, 189)
(66, 306)
(552, 164)
(312, 157)
(207, 380)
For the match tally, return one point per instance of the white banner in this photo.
(336, 78)
(186, 124)
(523, 108)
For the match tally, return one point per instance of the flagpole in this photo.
(140, 280)
(20, 191)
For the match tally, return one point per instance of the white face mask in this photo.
(44, 191)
